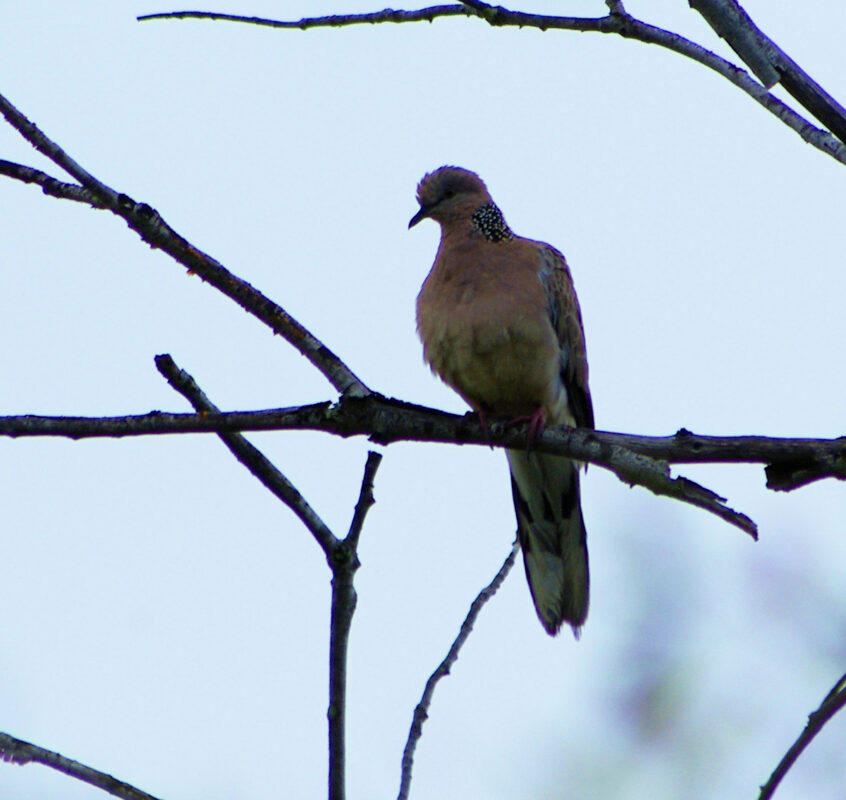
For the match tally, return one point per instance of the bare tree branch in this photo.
(769, 62)
(330, 21)
(150, 226)
(344, 562)
(49, 185)
(615, 6)
(834, 701)
(732, 23)
(340, 553)
(636, 460)
(640, 470)
(18, 751)
(46, 146)
(365, 497)
(790, 474)
(251, 457)
(421, 712)
(618, 22)
(386, 421)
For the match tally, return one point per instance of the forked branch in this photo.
(341, 555)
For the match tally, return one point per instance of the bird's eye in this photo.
(449, 193)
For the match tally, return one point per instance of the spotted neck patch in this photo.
(488, 220)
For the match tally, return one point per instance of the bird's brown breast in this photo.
(486, 333)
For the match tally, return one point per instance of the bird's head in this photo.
(449, 194)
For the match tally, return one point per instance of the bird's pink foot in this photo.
(483, 421)
(537, 422)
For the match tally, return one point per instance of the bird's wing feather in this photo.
(566, 317)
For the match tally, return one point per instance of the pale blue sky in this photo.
(165, 620)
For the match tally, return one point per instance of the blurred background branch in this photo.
(834, 701)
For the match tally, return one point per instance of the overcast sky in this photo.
(164, 619)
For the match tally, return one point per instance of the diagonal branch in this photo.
(250, 456)
(421, 712)
(150, 226)
(625, 25)
(640, 470)
(834, 701)
(18, 751)
(49, 185)
(341, 555)
(617, 22)
(46, 146)
(769, 62)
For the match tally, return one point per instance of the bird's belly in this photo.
(508, 369)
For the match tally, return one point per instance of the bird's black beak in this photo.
(421, 214)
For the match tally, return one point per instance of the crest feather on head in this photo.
(446, 182)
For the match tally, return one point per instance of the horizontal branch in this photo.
(328, 21)
(18, 751)
(386, 420)
(618, 22)
(637, 460)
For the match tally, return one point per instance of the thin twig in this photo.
(654, 474)
(421, 712)
(617, 22)
(365, 497)
(18, 751)
(250, 456)
(46, 146)
(329, 21)
(49, 185)
(150, 226)
(344, 563)
(834, 701)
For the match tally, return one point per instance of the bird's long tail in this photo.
(552, 535)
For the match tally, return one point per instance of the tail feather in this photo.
(552, 535)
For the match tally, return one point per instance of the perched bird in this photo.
(500, 324)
